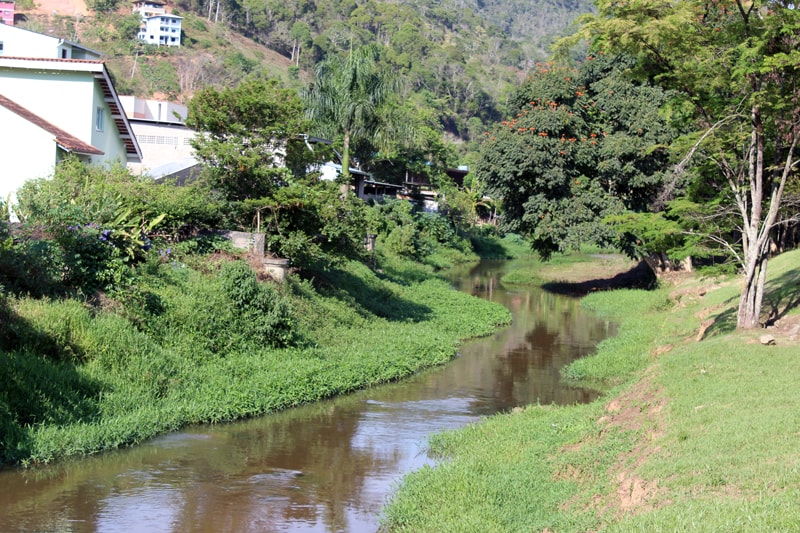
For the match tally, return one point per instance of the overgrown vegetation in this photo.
(124, 314)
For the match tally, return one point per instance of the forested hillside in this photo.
(460, 59)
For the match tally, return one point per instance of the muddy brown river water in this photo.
(328, 467)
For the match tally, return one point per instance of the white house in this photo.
(54, 107)
(158, 27)
(19, 42)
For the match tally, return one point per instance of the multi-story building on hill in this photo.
(158, 27)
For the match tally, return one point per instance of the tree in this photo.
(737, 64)
(584, 144)
(243, 136)
(348, 98)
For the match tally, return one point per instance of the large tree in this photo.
(244, 136)
(737, 63)
(583, 144)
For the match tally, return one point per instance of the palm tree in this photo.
(348, 97)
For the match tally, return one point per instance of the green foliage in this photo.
(161, 77)
(427, 237)
(244, 132)
(188, 346)
(585, 143)
(737, 71)
(311, 223)
(127, 26)
(266, 315)
(102, 6)
(101, 221)
(349, 99)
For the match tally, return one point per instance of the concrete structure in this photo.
(6, 15)
(54, 107)
(154, 110)
(158, 27)
(19, 42)
(162, 136)
(149, 8)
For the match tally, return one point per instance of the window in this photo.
(1, 47)
(98, 119)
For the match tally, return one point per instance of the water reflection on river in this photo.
(326, 467)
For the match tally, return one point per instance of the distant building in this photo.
(6, 15)
(158, 27)
(162, 136)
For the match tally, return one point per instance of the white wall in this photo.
(107, 140)
(153, 109)
(26, 152)
(69, 100)
(160, 144)
(18, 42)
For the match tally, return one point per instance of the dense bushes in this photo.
(426, 237)
(199, 339)
(266, 315)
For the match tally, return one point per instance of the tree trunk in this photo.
(755, 277)
(345, 176)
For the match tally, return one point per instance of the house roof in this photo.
(67, 141)
(98, 68)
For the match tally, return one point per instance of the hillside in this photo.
(461, 61)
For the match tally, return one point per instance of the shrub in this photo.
(265, 314)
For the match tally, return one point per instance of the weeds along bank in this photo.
(200, 340)
(697, 430)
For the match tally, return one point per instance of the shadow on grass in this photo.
(639, 277)
(37, 387)
(371, 298)
(782, 294)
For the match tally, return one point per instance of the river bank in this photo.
(183, 346)
(696, 429)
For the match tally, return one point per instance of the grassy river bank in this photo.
(184, 345)
(697, 429)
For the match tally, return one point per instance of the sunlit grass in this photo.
(87, 380)
(707, 422)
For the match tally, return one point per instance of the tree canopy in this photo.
(737, 65)
(349, 100)
(584, 143)
(243, 136)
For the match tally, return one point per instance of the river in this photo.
(327, 467)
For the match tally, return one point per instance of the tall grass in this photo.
(83, 378)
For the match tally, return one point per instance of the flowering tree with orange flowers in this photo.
(583, 144)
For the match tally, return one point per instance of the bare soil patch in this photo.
(639, 410)
(59, 7)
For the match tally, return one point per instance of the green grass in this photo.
(86, 379)
(708, 427)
